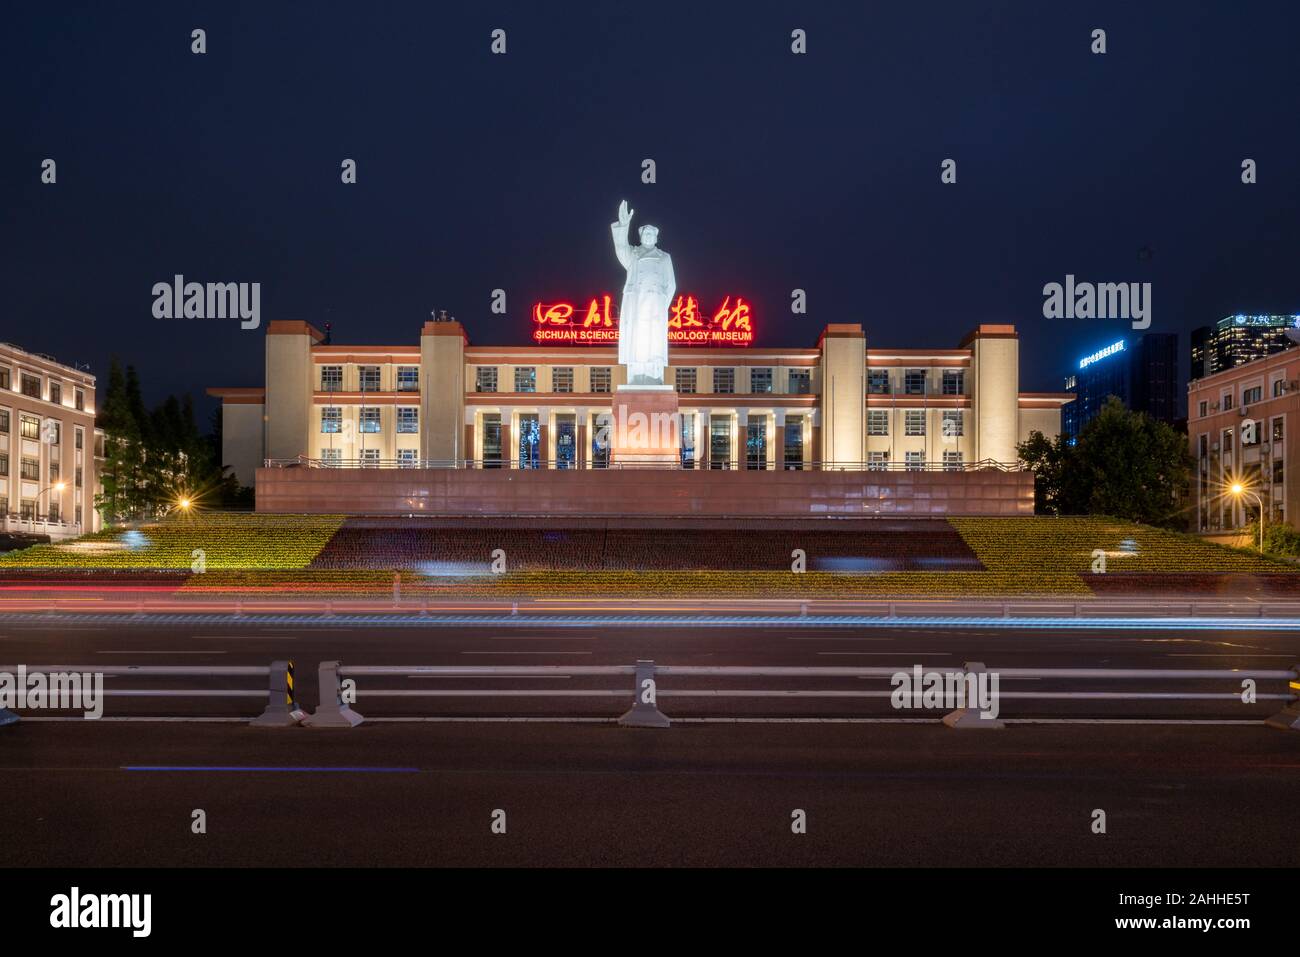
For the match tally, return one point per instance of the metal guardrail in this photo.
(338, 690)
(303, 461)
(281, 709)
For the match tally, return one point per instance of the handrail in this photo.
(338, 691)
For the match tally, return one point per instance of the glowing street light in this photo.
(1237, 489)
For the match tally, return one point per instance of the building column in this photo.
(778, 433)
(544, 432)
(812, 449)
(582, 419)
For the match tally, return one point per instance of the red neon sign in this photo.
(731, 324)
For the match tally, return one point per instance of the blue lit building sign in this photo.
(1110, 350)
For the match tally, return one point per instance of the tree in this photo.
(1124, 464)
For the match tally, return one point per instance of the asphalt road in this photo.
(700, 795)
(899, 647)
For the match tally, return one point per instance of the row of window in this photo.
(29, 470)
(408, 419)
(368, 379)
(32, 387)
(952, 422)
(53, 513)
(916, 382)
(30, 427)
(1249, 396)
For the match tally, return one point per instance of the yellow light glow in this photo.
(1237, 488)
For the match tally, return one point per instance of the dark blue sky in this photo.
(775, 171)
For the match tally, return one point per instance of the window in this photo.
(56, 393)
(1278, 429)
(686, 379)
(331, 378)
(952, 423)
(760, 380)
(1252, 395)
(562, 379)
(724, 381)
(566, 441)
(52, 511)
(4, 421)
(5, 382)
(1277, 472)
(954, 382)
(915, 461)
(30, 427)
(1227, 401)
(485, 379)
(914, 382)
(79, 437)
(878, 381)
(4, 464)
(408, 378)
(77, 512)
(877, 422)
(601, 379)
(369, 378)
(53, 432)
(30, 469)
(369, 458)
(794, 442)
(369, 419)
(1279, 388)
(952, 461)
(54, 471)
(78, 477)
(492, 439)
(408, 420)
(719, 441)
(800, 381)
(530, 441)
(31, 386)
(756, 443)
(79, 399)
(1201, 409)
(525, 379)
(406, 458)
(914, 422)
(331, 419)
(877, 461)
(332, 458)
(27, 509)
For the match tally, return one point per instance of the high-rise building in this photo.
(1142, 373)
(1235, 340)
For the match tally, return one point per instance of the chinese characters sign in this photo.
(731, 324)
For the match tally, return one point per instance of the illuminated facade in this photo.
(1242, 424)
(446, 403)
(48, 446)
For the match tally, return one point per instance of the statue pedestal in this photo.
(647, 428)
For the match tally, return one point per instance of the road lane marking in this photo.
(160, 652)
(526, 652)
(260, 768)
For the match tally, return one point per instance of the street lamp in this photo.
(57, 486)
(1239, 490)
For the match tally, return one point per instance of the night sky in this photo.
(775, 171)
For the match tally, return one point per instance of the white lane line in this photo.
(526, 652)
(1223, 654)
(544, 638)
(833, 638)
(893, 654)
(244, 638)
(160, 652)
(499, 677)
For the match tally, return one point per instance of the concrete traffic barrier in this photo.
(645, 711)
(333, 711)
(282, 709)
(969, 717)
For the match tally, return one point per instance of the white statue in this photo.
(647, 295)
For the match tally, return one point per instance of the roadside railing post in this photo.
(282, 709)
(1288, 719)
(645, 711)
(333, 711)
(972, 717)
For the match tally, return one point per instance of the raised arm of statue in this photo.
(621, 248)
